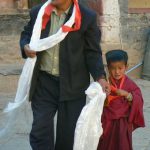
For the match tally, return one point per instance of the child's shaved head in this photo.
(116, 55)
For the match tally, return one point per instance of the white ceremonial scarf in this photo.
(89, 127)
(37, 44)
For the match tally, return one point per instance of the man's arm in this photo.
(93, 51)
(94, 54)
(27, 33)
(26, 36)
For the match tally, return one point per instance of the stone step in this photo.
(9, 75)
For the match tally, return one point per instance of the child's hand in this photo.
(122, 93)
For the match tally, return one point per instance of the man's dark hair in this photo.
(116, 55)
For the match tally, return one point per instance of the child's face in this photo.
(117, 69)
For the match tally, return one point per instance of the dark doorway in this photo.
(35, 2)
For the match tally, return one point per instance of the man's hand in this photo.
(105, 86)
(122, 93)
(29, 53)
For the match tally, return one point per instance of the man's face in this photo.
(58, 2)
(117, 69)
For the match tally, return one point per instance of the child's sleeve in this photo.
(136, 116)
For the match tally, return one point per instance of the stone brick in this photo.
(12, 24)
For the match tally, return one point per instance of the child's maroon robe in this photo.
(120, 118)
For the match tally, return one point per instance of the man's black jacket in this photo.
(80, 54)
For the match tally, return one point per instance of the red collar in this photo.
(113, 82)
(114, 88)
(77, 25)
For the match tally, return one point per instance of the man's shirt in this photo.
(50, 57)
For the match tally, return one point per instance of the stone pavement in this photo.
(141, 137)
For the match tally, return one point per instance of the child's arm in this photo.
(124, 93)
(136, 116)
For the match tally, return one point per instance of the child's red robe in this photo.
(120, 118)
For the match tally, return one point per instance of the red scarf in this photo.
(114, 88)
(47, 14)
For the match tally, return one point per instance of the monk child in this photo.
(123, 110)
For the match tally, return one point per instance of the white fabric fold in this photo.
(89, 128)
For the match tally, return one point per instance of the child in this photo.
(123, 110)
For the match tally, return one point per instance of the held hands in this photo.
(107, 89)
(29, 53)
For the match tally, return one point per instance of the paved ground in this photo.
(141, 137)
(19, 140)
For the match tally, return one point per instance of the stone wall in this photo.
(119, 30)
(10, 57)
(135, 29)
(10, 29)
(13, 6)
(123, 30)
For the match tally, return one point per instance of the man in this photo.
(61, 75)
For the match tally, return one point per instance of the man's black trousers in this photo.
(45, 104)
